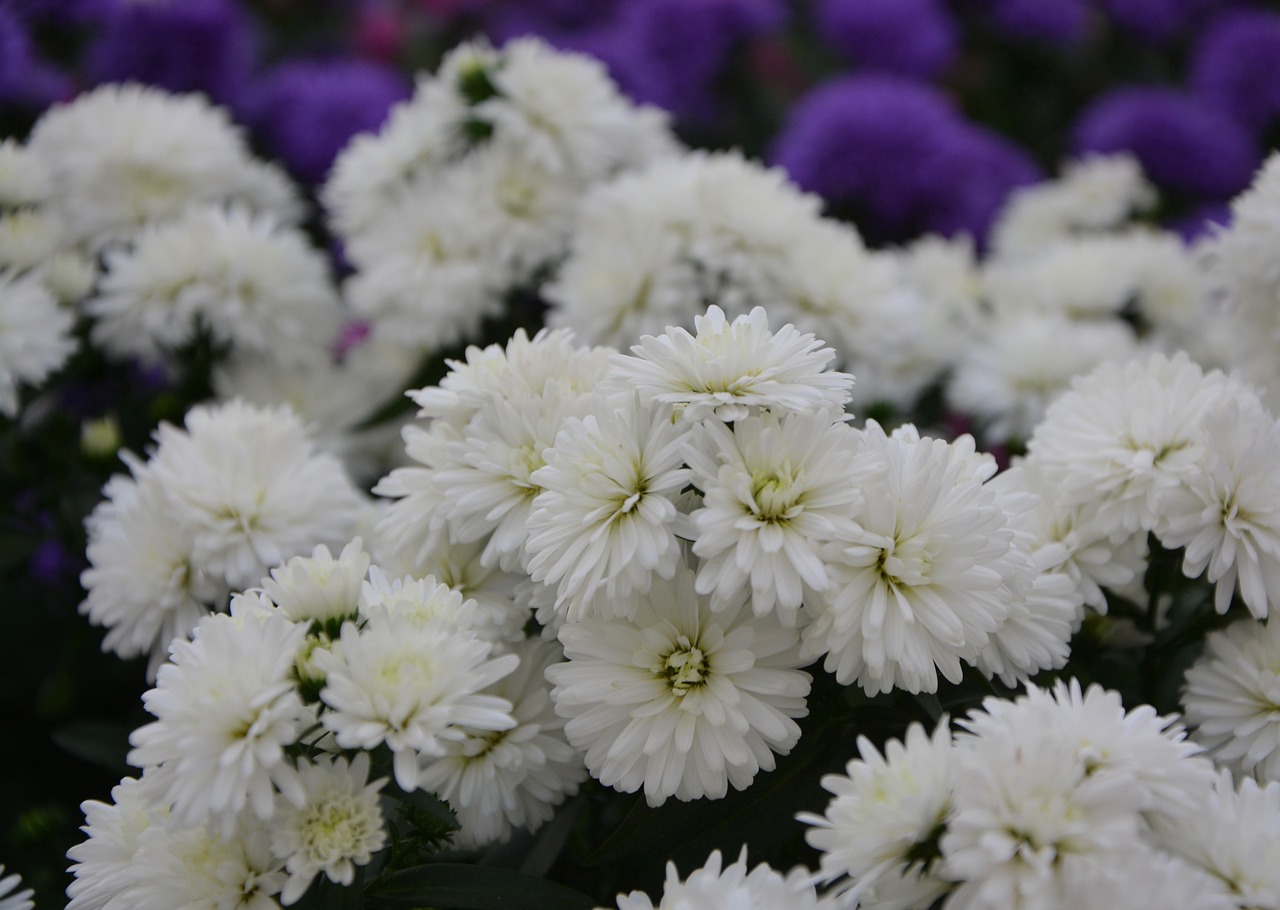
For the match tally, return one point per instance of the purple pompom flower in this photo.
(1059, 22)
(1183, 143)
(975, 170)
(911, 37)
(1160, 20)
(26, 81)
(1234, 66)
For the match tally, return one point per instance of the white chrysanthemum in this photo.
(719, 887)
(10, 897)
(1234, 835)
(498, 781)
(197, 867)
(410, 683)
(416, 523)
(1230, 521)
(680, 699)
(774, 492)
(24, 178)
(1022, 361)
(319, 588)
(1232, 697)
(337, 827)
(253, 284)
(930, 573)
(1093, 194)
(226, 709)
(879, 835)
(655, 248)
(603, 526)
(730, 370)
(122, 156)
(1126, 436)
(1065, 540)
(142, 583)
(103, 863)
(1141, 878)
(420, 600)
(251, 489)
(1027, 813)
(35, 335)
(1148, 753)
(29, 237)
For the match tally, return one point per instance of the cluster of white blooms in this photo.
(471, 189)
(268, 721)
(1045, 802)
(716, 886)
(237, 491)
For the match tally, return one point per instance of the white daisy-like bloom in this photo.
(11, 898)
(1233, 833)
(730, 370)
(420, 600)
(1093, 194)
(337, 827)
(929, 574)
(251, 488)
(1148, 753)
(716, 886)
(29, 237)
(879, 835)
(253, 283)
(1126, 436)
(319, 588)
(1231, 697)
(603, 527)
(122, 156)
(415, 524)
(1066, 540)
(142, 584)
(497, 781)
(679, 700)
(1022, 361)
(25, 180)
(774, 491)
(655, 248)
(410, 683)
(1229, 521)
(1027, 814)
(195, 866)
(226, 709)
(103, 863)
(35, 335)
(1142, 878)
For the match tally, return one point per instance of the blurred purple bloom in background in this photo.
(1236, 66)
(58, 10)
(1185, 144)
(25, 80)
(181, 45)
(307, 110)
(1062, 22)
(1160, 20)
(975, 169)
(911, 37)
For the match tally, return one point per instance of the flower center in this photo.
(772, 493)
(686, 667)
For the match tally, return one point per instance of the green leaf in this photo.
(101, 743)
(455, 886)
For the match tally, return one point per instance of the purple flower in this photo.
(26, 81)
(551, 17)
(1203, 222)
(1184, 144)
(1160, 20)
(868, 144)
(1234, 66)
(307, 110)
(911, 37)
(187, 46)
(1060, 22)
(974, 172)
(58, 10)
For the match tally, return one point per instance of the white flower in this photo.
(1234, 835)
(1125, 436)
(1230, 521)
(1232, 697)
(879, 835)
(420, 600)
(496, 781)
(252, 283)
(1141, 878)
(226, 709)
(35, 335)
(10, 897)
(929, 574)
(251, 488)
(603, 526)
(733, 369)
(195, 866)
(417, 522)
(142, 583)
(319, 588)
(337, 827)
(122, 156)
(24, 178)
(103, 864)
(680, 700)
(719, 887)
(410, 682)
(774, 491)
